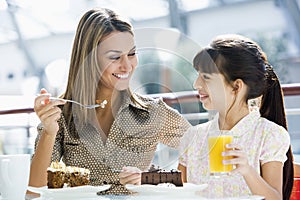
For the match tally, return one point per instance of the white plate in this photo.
(188, 188)
(78, 192)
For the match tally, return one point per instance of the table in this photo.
(146, 197)
(141, 192)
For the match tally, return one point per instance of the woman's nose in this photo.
(126, 64)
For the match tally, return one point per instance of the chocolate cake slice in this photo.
(155, 176)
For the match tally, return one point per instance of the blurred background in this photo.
(36, 39)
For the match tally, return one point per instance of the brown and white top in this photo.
(132, 141)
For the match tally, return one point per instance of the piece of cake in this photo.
(76, 176)
(156, 176)
(56, 175)
(60, 175)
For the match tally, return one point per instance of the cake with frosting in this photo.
(59, 175)
(155, 176)
(76, 176)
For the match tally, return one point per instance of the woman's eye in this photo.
(114, 57)
(132, 54)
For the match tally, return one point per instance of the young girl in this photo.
(233, 70)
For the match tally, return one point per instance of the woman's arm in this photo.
(174, 125)
(41, 160)
(49, 114)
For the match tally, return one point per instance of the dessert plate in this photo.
(188, 188)
(75, 192)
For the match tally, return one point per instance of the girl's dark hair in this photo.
(238, 57)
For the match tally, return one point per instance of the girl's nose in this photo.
(197, 84)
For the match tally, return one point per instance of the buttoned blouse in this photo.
(132, 140)
(262, 140)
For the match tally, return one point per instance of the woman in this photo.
(234, 71)
(125, 132)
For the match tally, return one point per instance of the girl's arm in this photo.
(269, 184)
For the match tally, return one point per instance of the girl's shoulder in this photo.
(271, 129)
(199, 129)
(270, 125)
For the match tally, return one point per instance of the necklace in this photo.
(102, 104)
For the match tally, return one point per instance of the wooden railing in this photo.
(174, 98)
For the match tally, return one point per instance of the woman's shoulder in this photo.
(153, 103)
(148, 99)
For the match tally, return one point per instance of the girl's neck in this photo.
(229, 120)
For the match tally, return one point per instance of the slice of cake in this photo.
(156, 176)
(60, 175)
(76, 176)
(56, 175)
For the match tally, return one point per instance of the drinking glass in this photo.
(217, 145)
(218, 171)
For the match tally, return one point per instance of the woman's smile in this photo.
(121, 76)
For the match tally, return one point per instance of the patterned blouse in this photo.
(132, 141)
(263, 140)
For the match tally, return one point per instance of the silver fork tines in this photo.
(102, 105)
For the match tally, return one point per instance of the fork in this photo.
(102, 105)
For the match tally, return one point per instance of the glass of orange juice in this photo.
(217, 145)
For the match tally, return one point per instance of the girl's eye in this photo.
(205, 76)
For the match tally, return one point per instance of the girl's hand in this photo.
(130, 175)
(48, 112)
(240, 159)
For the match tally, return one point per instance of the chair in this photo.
(296, 188)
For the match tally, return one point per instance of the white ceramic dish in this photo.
(78, 192)
(188, 188)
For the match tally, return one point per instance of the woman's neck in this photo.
(111, 96)
(228, 120)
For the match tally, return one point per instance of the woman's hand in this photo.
(48, 112)
(130, 175)
(240, 159)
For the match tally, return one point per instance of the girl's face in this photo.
(117, 59)
(215, 93)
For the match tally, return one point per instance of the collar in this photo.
(127, 101)
(246, 124)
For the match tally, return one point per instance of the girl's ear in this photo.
(238, 85)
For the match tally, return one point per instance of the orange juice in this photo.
(216, 145)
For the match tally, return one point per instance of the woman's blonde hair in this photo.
(85, 72)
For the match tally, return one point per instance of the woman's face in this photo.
(117, 59)
(214, 93)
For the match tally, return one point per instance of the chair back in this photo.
(296, 189)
